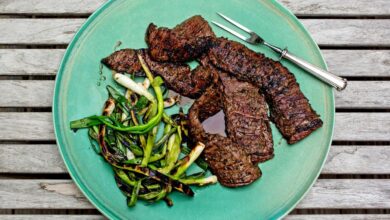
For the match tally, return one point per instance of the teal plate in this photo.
(286, 178)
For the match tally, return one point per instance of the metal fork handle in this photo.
(337, 82)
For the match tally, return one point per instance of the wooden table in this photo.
(354, 36)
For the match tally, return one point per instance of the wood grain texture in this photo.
(39, 93)
(348, 194)
(352, 63)
(45, 159)
(38, 31)
(362, 127)
(338, 217)
(26, 126)
(30, 61)
(349, 32)
(299, 7)
(43, 194)
(338, 8)
(358, 160)
(364, 95)
(15, 158)
(52, 217)
(49, 6)
(348, 127)
(26, 93)
(326, 32)
(63, 194)
(357, 63)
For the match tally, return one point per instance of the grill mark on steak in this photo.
(185, 42)
(290, 110)
(177, 77)
(246, 118)
(227, 160)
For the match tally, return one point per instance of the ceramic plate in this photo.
(286, 178)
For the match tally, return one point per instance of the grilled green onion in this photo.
(189, 159)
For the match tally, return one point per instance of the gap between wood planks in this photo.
(96, 212)
(339, 211)
(49, 109)
(45, 76)
(62, 176)
(322, 47)
(49, 212)
(86, 15)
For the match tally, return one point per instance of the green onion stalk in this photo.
(149, 146)
(160, 152)
(157, 103)
(188, 160)
(200, 181)
(132, 200)
(137, 169)
(173, 153)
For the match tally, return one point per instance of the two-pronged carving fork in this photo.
(333, 80)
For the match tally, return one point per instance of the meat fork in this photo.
(333, 80)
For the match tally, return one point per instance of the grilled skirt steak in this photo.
(227, 160)
(185, 42)
(177, 77)
(246, 118)
(290, 110)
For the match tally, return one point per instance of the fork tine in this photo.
(231, 31)
(235, 23)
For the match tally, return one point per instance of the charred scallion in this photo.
(146, 164)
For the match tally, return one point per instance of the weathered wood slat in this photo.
(38, 31)
(30, 62)
(54, 217)
(338, 217)
(342, 62)
(355, 63)
(344, 32)
(26, 126)
(16, 158)
(362, 127)
(364, 94)
(49, 6)
(341, 159)
(299, 7)
(35, 93)
(348, 194)
(63, 194)
(337, 8)
(41, 194)
(348, 127)
(358, 160)
(26, 93)
(349, 32)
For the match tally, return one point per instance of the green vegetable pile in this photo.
(146, 166)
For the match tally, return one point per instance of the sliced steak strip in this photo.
(246, 118)
(193, 27)
(290, 110)
(187, 41)
(124, 60)
(226, 159)
(177, 77)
